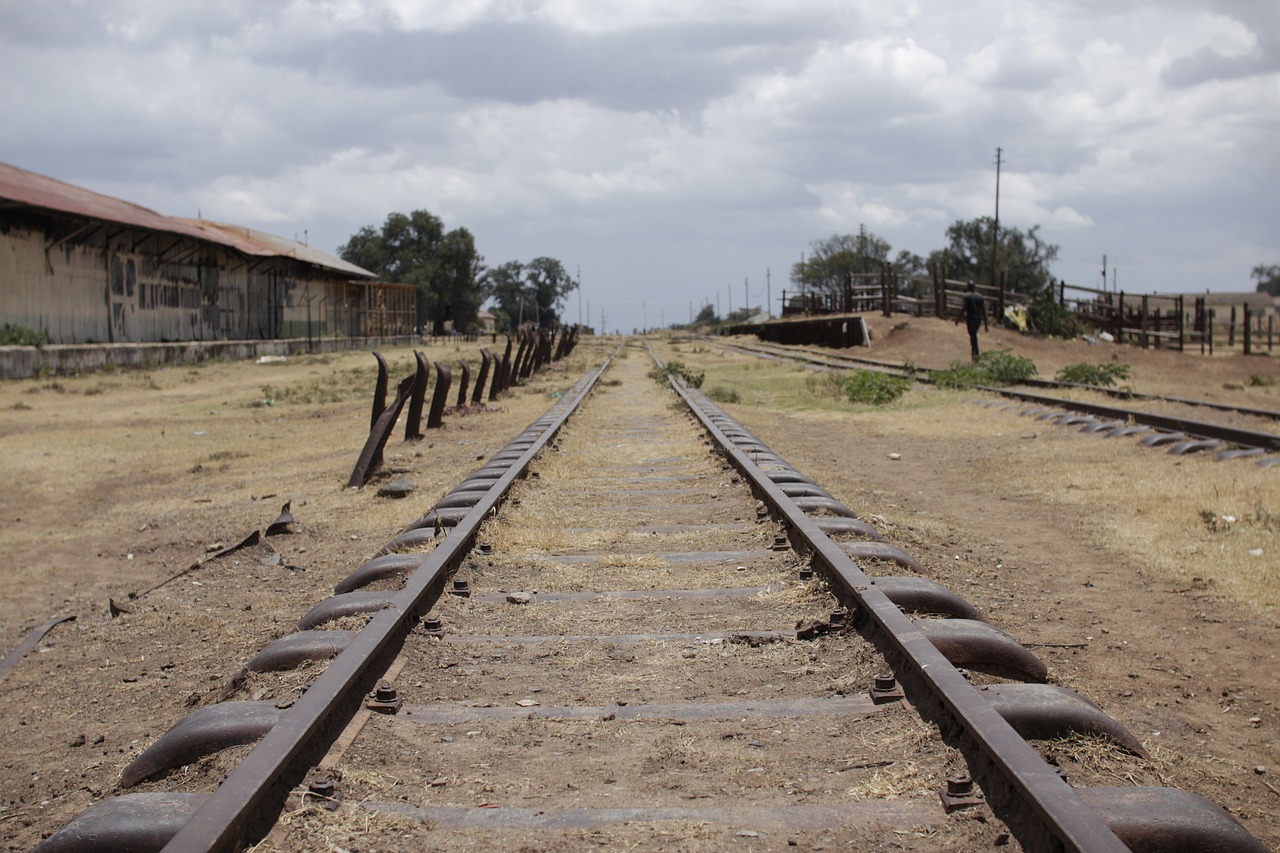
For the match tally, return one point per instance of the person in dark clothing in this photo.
(975, 315)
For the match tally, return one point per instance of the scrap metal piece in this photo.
(1045, 711)
(486, 364)
(883, 551)
(982, 647)
(30, 641)
(202, 733)
(464, 384)
(804, 490)
(1168, 820)
(1239, 453)
(1131, 429)
(291, 650)
(467, 498)
(346, 604)
(1102, 426)
(440, 398)
(283, 523)
(140, 823)
(921, 595)
(419, 535)
(413, 421)
(386, 566)
(371, 456)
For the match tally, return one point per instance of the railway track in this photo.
(638, 626)
(1236, 432)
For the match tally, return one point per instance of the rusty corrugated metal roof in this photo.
(19, 185)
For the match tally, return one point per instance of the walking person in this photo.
(975, 315)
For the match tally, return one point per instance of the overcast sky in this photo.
(674, 149)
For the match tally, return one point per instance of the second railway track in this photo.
(635, 651)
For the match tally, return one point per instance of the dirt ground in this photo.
(118, 481)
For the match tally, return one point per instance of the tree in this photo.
(838, 256)
(549, 284)
(415, 249)
(706, 316)
(1023, 257)
(1268, 277)
(504, 284)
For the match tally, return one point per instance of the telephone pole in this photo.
(995, 231)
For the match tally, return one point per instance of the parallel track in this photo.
(633, 645)
(1178, 428)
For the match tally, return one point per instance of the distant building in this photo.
(88, 268)
(486, 322)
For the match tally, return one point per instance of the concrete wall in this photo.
(25, 362)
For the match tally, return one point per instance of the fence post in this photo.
(1142, 321)
(1000, 298)
(1213, 315)
(1231, 329)
(1119, 333)
(1248, 331)
(1182, 322)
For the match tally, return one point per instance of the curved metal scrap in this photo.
(977, 645)
(882, 551)
(379, 389)
(420, 534)
(1102, 426)
(140, 823)
(347, 604)
(1044, 711)
(1160, 438)
(202, 733)
(486, 364)
(413, 421)
(921, 595)
(1169, 820)
(830, 505)
(371, 455)
(464, 384)
(1132, 429)
(1239, 453)
(1195, 445)
(439, 397)
(291, 650)
(283, 523)
(443, 517)
(853, 526)
(788, 476)
(388, 565)
(30, 642)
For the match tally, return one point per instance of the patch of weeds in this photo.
(20, 407)
(825, 385)
(721, 394)
(94, 391)
(1257, 380)
(1093, 374)
(18, 335)
(611, 383)
(226, 455)
(991, 368)
(692, 376)
(875, 388)
(55, 386)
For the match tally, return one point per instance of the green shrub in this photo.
(1046, 317)
(1257, 380)
(991, 368)
(721, 394)
(870, 386)
(1093, 374)
(692, 376)
(18, 335)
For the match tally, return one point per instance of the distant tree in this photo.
(1268, 278)
(833, 258)
(706, 316)
(414, 249)
(1023, 256)
(549, 284)
(504, 284)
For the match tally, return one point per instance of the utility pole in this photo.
(995, 231)
(579, 294)
(729, 290)
(746, 296)
(1104, 271)
(768, 294)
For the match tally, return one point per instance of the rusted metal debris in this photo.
(440, 398)
(283, 523)
(30, 641)
(413, 421)
(372, 452)
(464, 385)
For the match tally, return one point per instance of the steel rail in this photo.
(261, 781)
(1062, 812)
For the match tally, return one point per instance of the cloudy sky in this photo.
(675, 151)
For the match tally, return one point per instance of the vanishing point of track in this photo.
(634, 617)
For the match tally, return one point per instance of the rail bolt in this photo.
(385, 699)
(780, 542)
(461, 588)
(884, 689)
(324, 789)
(960, 792)
(839, 617)
(487, 547)
(806, 573)
(433, 626)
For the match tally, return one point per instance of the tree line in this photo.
(451, 277)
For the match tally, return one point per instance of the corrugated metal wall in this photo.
(105, 283)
